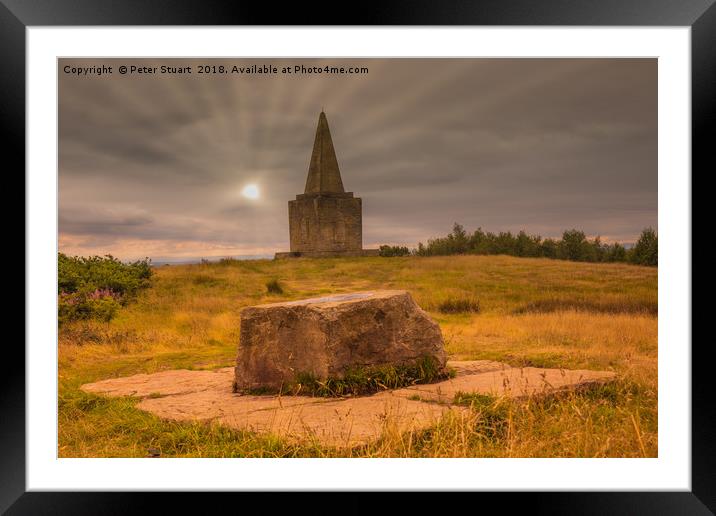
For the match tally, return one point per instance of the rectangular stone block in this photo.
(325, 337)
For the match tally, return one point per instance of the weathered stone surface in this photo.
(329, 421)
(514, 382)
(324, 175)
(164, 383)
(326, 336)
(185, 395)
(220, 403)
(344, 422)
(326, 223)
(325, 218)
(470, 367)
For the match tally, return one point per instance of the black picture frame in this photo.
(699, 15)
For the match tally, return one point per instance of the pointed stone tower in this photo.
(325, 220)
(324, 176)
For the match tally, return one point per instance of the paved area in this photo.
(206, 395)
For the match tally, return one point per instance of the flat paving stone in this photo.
(165, 383)
(219, 403)
(465, 367)
(341, 423)
(511, 382)
(185, 395)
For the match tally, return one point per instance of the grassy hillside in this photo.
(522, 311)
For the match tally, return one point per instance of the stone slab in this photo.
(341, 423)
(184, 395)
(507, 381)
(465, 367)
(164, 383)
(221, 403)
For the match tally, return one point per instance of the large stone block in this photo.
(327, 336)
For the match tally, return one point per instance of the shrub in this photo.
(96, 287)
(393, 250)
(273, 287)
(81, 274)
(75, 306)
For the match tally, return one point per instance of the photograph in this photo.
(412, 248)
(357, 257)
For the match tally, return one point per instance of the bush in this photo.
(393, 250)
(102, 305)
(80, 274)
(96, 287)
(273, 287)
(459, 306)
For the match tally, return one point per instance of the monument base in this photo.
(327, 254)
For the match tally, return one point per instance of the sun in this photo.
(251, 192)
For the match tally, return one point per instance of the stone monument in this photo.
(325, 220)
(328, 336)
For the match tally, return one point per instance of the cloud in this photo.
(506, 144)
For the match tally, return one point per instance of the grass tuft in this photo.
(359, 381)
(274, 287)
(473, 399)
(459, 306)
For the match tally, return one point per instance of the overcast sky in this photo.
(154, 165)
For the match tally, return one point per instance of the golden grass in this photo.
(535, 312)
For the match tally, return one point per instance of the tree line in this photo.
(574, 246)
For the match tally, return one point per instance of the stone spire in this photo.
(323, 173)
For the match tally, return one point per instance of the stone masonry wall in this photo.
(325, 224)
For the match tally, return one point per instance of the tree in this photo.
(573, 246)
(646, 249)
(527, 245)
(549, 248)
(616, 253)
(478, 242)
(459, 239)
(599, 250)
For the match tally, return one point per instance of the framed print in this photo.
(412, 251)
